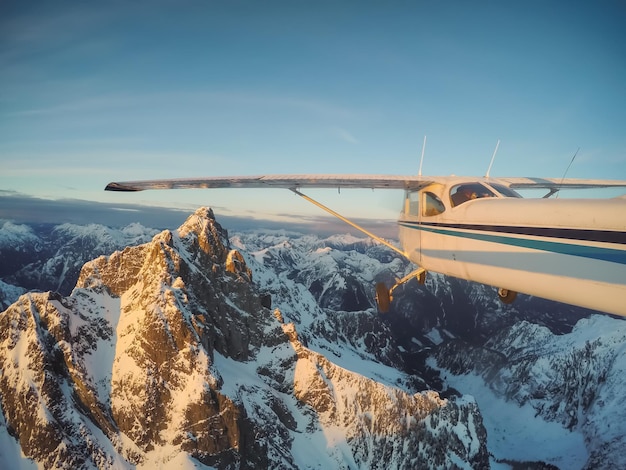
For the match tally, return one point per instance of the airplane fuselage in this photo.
(568, 250)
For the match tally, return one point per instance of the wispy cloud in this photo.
(94, 103)
(199, 98)
(265, 99)
(345, 135)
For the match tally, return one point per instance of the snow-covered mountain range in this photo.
(49, 257)
(165, 352)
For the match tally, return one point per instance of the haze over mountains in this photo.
(163, 351)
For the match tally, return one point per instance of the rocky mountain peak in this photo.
(133, 345)
(201, 230)
(164, 351)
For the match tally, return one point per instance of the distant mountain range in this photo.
(136, 348)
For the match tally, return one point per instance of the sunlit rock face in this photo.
(50, 257)
(164, 355)
(383, 426)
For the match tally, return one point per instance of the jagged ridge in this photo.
(135, 367)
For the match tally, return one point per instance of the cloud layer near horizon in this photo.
(23, 209)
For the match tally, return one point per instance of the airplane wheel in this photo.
(383, 299)
(507, 296)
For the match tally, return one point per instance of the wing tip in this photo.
(120, 187)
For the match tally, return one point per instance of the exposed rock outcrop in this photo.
(166, 351)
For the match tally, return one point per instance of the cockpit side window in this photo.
(411, 203)
(465, 192)
(432, 204)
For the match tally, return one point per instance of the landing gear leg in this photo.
(384, 296)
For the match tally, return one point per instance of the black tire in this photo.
(383, 299)
(507, 296)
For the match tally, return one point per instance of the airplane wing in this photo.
(279, 181)
(351, 181)
(556, 184)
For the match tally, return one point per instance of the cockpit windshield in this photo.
(467, 191)
(504, 190)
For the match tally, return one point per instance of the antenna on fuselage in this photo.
(419, 173)
(493, 157)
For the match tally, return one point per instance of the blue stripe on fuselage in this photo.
(586, 251)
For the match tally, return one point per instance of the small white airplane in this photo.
(481, 229)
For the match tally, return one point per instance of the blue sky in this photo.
(97, 92)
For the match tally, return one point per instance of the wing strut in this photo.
(349, 222)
